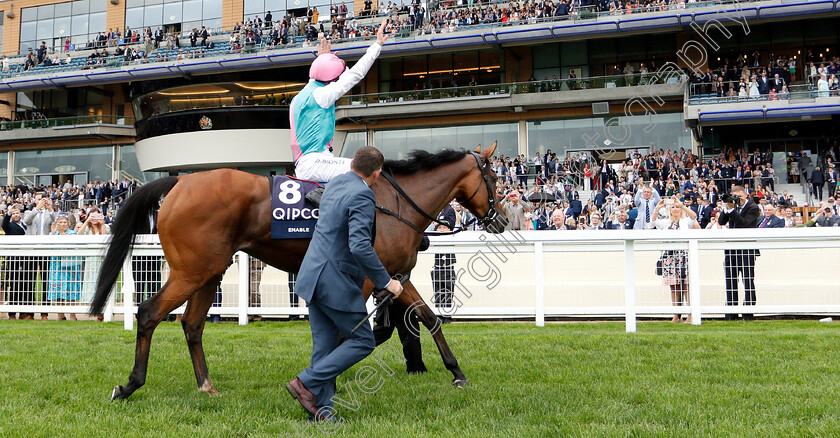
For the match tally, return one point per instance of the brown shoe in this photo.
(303, 396)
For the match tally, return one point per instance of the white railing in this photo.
(531, 274)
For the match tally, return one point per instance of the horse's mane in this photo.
(422, 160)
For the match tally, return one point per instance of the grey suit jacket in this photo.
(36, 225)
(341, 253)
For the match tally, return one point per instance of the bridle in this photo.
(489, 220)
(492, 213)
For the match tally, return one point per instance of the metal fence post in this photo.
(108, 316)
(539, 289)
(244, 279)
(128, 294)
(629, 287)
(694, 280)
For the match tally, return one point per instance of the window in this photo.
(572, 134)
(81, 20)
(396, 144)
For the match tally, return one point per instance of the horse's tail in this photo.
(133, 215)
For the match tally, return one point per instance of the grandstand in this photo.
(534, 76)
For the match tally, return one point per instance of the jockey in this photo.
(312, 113)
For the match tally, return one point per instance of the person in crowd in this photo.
(714, 221)
(740, 212)
(595, 222)
(817, 182)
(825, 217)
(770, 220)
(16, 280)
(443, 275)
(558, 220)
(65, 274)
(646, 201)
(38, 222)
(94, 225)
(675, 262)
(620, 220)
(515, 210)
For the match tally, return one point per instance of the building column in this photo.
(369, 135)
(10, 169)
(117, 168)
(523, 138)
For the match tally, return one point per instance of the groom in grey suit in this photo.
(330, 280)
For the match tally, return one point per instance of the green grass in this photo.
(762, 378)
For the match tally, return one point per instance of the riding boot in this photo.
(314, 196)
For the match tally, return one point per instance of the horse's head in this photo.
(482, 201)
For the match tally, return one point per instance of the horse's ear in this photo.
(488, 153)
(477, 149)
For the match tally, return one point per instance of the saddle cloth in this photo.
(292, 217)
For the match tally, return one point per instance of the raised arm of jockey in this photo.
(327, 96)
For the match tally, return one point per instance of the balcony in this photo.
(803, 102)
(509, 97)
(108, 127)
(479, 35)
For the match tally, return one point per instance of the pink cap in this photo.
(326, 68)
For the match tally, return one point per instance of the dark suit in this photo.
(576, 207)
(704, 215)
(741, 261)
(771, 222)
(818, 181)
(407, 329)
(764, 85)
(627, 225)
(330, 279)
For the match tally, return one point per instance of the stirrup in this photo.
(314, 196)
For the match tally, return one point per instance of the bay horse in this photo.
(199, 241)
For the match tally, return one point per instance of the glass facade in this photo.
(441, 70)
(67, 102)
(173, 16)
(665, 131)
(353, 142)
(4, 168)
(396, 144)
(91, 164)
(80, 21)
(296, 8)
(130, 168)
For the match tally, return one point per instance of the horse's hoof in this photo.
(117, 392)
(209, 389)
(459, 383)
(421, 369)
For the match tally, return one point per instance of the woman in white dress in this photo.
(754, 88)
(675, 262)
(822, 86)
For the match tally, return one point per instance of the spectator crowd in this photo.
(544, 193)
(59, 210)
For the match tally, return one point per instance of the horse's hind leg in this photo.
(193, 324)
(149, 314)
(411, 298)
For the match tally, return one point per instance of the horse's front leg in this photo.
(412, 300)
